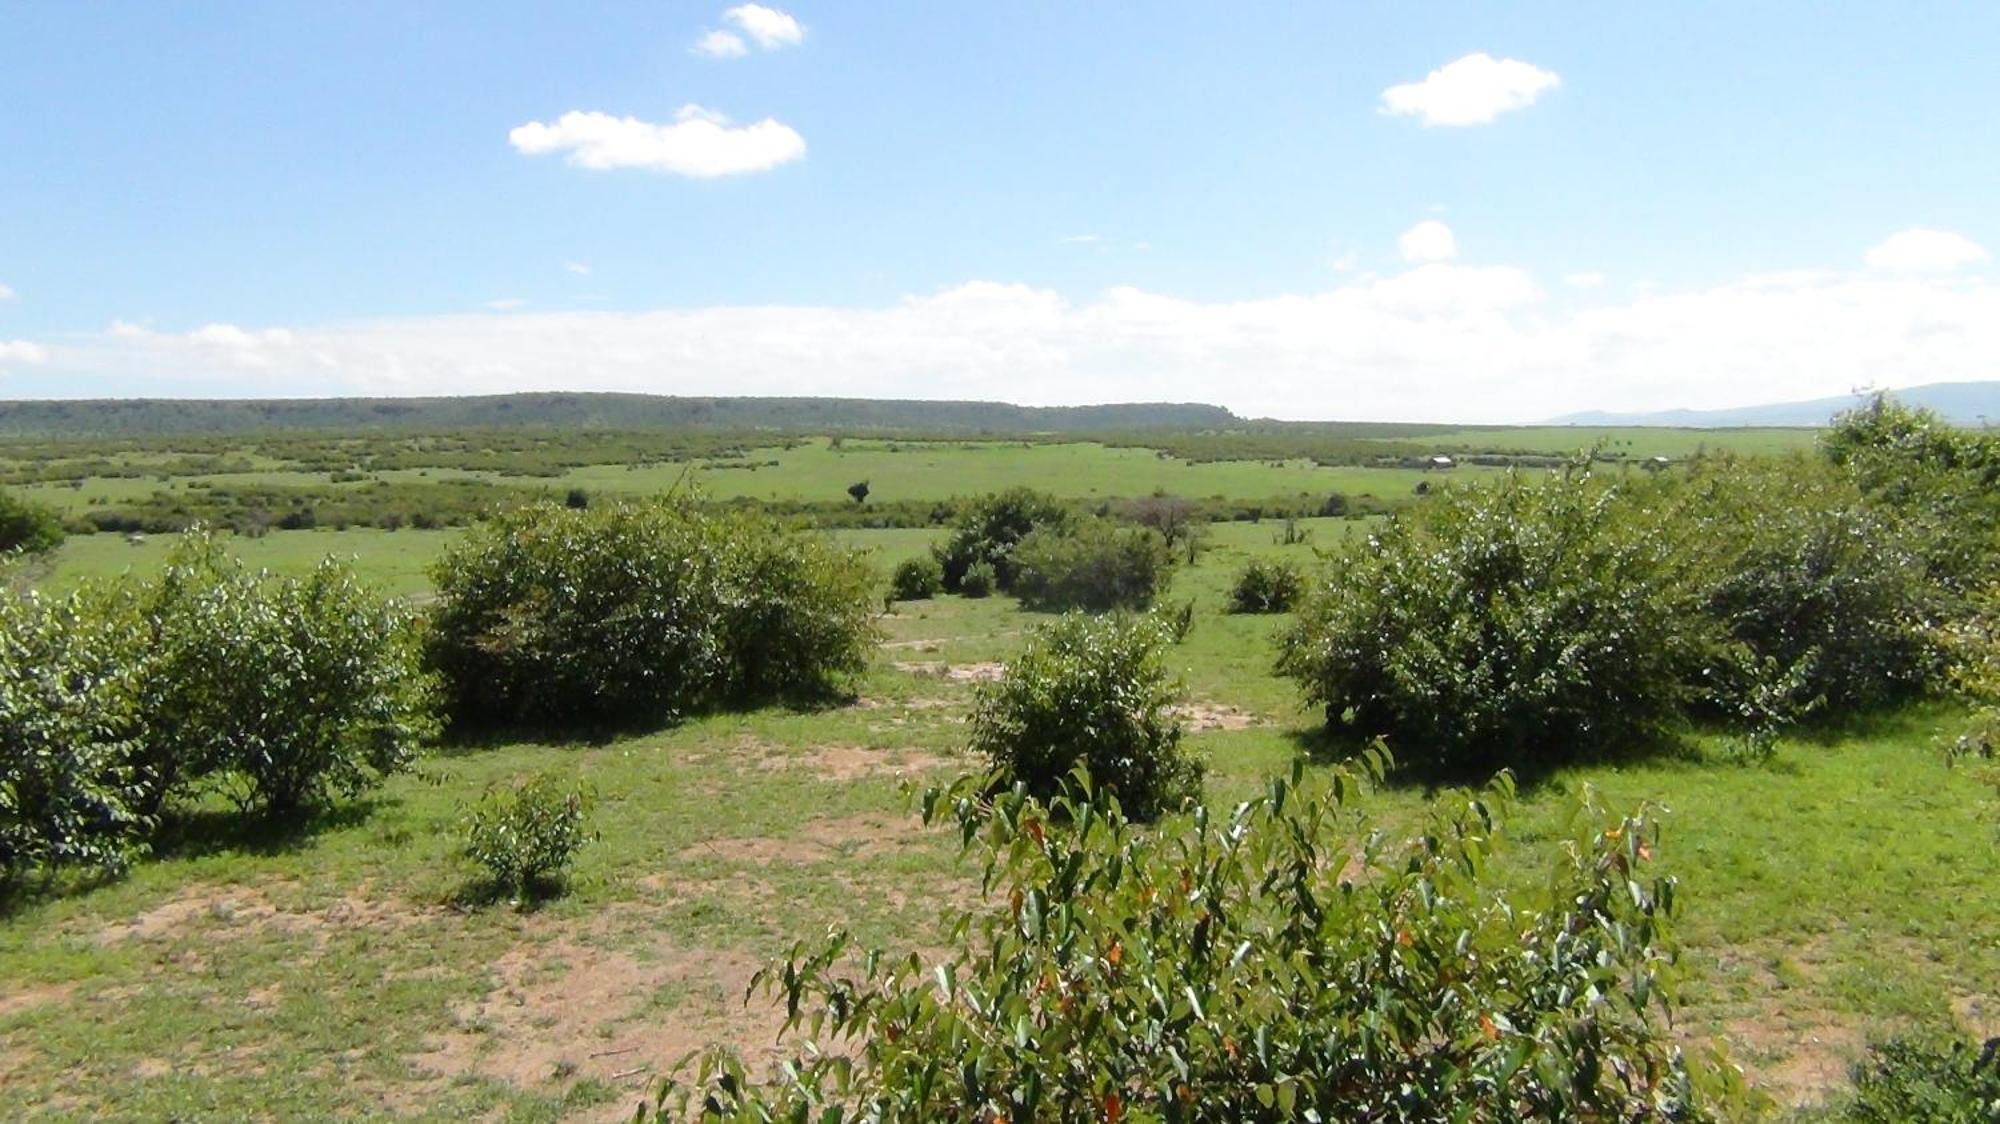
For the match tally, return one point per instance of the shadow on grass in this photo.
(487, 893)
(1328, 745)
(200, 832)
(465, 736)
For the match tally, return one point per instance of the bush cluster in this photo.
(988, 530)
(626, 613)
(1267, 586)
(1278, 962)
(1092, 693)
(1090, 563)
(280, 692)
(1927, 1081)
(27, 527)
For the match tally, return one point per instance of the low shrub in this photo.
(1927, 1081)
(1267, 586)
(799, 616)
(1091, 692)
(526, 835)
(1518, 623)
(1094, 564)
(990, 527)
(1281, 961)
(978, 581)
(917, 579)
(28, 527)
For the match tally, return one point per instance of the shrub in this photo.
(1516, 623)
(1914, 1081)
(68, 715)
(988, 530)
(297, 689)
(1090, 564)
(1092, 693)
(1277, 962)
(1267, 586)
(640, 613)
(917, 579)
(978, 580)
(28, 527)
(1943, 478)
(526, 835)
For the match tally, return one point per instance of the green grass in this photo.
(331, 968)
(393, 563)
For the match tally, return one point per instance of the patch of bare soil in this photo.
(952, 672)
(562, 1010)
(1797, 1063)
(227, 912)
(25, 999)
(1215, 716)
(854, 762)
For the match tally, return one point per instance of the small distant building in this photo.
(1656, 463)
(1440, 463)
(135, 538)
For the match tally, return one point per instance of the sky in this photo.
(1437, 212)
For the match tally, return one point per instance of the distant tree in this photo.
(859, 491)
(577, 500)
(27, 527)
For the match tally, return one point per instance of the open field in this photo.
(327, 968)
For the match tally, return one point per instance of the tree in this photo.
(27, 527)
(859, 491)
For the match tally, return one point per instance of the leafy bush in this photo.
(298, 689)
(988, 530)
(1090, 564)
(1944, 478)
(1267, 586)
(1278, 962)
(1517, 623)
(1912, 1081)
(526, 835)
(640, 613)
(978, 581)
(917, 579)
(28, 527)
(68, 715)
(1092, 693)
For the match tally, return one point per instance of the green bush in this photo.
(990, 527)
(526, 835)
(640, 613)
(68, 717)
(1278, 962)
(1943, 478)
(917, 579)
(978, 581)
(1092, 564)
(1518, 623)
(28, 527)
(294, 689)
(1267, 586)
(1916, 1081)
(1090, 692)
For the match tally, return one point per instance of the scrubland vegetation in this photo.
(1565, 792)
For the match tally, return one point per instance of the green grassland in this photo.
(332, 968)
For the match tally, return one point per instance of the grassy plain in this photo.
(332, 968)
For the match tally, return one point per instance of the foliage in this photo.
(1520, 623)
(1091, 692)
(1915, 1081)
(978, 581)
(299, 689)
(1278, 962)
(859, 491)
(640, 613)
(989, 529)
(67, 720)
(1267, 586)
(917, 579)
(27, 527)
(1942, 476)
(526, 835)
(1092, 563)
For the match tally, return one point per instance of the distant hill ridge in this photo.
(1962, 403)
(165, 416)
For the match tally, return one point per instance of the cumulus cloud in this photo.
(22, 351)
(1470, 91)
(1428, 241)
(6, 293)
(1920, 250)
(1589, 280)
(507, 304)
(721, 45)
(768, 27)
(700, 143)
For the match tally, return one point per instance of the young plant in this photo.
(526, 835)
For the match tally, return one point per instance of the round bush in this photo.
(1267, 586)
(989, 529)
(526, 835)
(27, 527)
(979, 580)
(1091, 692)
(1092, 564)
(917, 579)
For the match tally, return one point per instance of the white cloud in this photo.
(578, 268)
(700, 143)
(507, 304)
(6, 293)
(1428, 241)
(769, 27)
(721, 45)
(22, 351)
(1470, 91)
(1590, 280)
(1919, 250)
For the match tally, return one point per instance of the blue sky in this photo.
(1614, 206)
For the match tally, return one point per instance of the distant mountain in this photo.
(163, 416)
(1965, 403)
